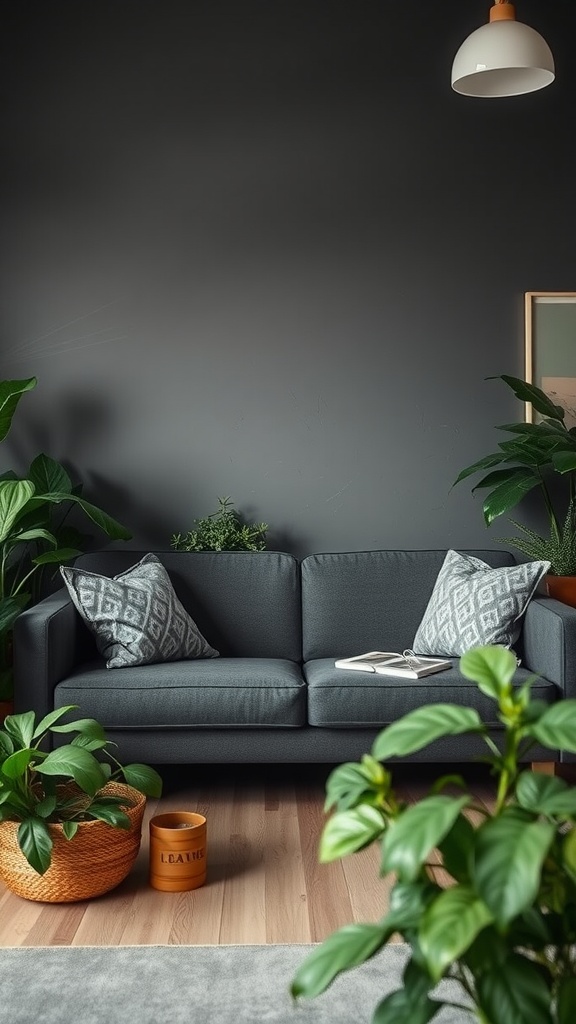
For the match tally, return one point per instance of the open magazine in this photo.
(388, 663)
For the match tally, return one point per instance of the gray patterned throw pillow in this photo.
(136, 616)
(473, 604)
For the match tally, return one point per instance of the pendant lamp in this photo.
(503, 58)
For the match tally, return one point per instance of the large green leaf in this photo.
(110, 526)
(508, 495)
(51, 718)
(47, 475)
(557, 726)
(515, 992)
(350, 782)
(85, 726)
(11, 392)
(456, 849)
(488, 462)
(35, 841)
(449, 926)
(57, 557)
(348, 831)
(144, 778)
(567, 1001)
(14, 767)
(21, 727)
(402, 1007)
(14, 495)
(75, 763)
(491, 667)
(507, 863)
(545, 794)
(348, 947)
(564, 462)
(421, 727)
(411, 837)
(537, 398)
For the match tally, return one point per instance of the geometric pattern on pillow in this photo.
(473, 604)
(136, 617)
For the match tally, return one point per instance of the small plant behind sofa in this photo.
(504, 926)
(222, 530)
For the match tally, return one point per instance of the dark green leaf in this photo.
(51, 718)
(411, 837)
(421, 727)
(449, 926)
(70, 828)
(14, 495)
(486, 463)
(14, 767)
(109, 813)
(57, 557)
(508, 495)
(6, 745)
(514, 991)
(11, 392)
(492, 668)
(348, 831)
(545, 794)
(35, 841)
(348, 947)
(567, 1001)
(401, 1007)
(45, 807)
(110, 526)
(456, 849)
(557, 726)
(73, 762)
(508, 857)
(348, 783)
(48, 475)
(144, 778)
(21, 727)
(10, 609)
(537, 398)
(84, 726)
(564, 462)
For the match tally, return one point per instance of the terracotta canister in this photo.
(177, 851)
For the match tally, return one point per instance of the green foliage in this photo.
(34, 534)
(537, 452)
(504, 925)
(222, 530)
(35, 786)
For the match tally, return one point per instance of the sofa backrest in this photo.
(360, 601)
(246, 603)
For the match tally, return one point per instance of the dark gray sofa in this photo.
(274, 694)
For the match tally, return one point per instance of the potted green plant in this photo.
(536, 453)
(34, 533)
(504, 928)
(222, 530)
(49, 798)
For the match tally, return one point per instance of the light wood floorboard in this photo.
(264, 884)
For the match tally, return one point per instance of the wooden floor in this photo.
(264, 882)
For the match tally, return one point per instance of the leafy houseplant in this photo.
(527, 461)
(222, 530)
(34, 534)
(504, 927)
(62, 786)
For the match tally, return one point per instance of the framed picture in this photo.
(551, 348)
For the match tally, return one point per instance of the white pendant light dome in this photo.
(503, 58)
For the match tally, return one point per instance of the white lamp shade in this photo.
(503, 58)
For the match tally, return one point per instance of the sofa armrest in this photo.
(549, 642)
(50, 639)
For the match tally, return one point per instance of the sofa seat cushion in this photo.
(347, 699)
(224, 692)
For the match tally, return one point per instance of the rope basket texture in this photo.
(96, 860)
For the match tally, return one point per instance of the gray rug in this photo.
(187, 985)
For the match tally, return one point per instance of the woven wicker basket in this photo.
(96, 860)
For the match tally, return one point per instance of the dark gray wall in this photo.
(262, 249)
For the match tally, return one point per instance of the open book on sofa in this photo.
(388, 663)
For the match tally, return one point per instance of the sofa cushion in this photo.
(248, 692)
(136, 616)
(347, 699)
(474, 604)
(360, 601)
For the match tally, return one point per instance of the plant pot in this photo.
(563, 588)
(96, 860)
